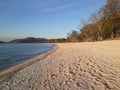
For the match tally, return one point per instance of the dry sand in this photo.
(73, 66)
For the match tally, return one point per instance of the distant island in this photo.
(30, 40)
(2, 42)
(37, 40)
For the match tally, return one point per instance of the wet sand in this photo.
(70, 66)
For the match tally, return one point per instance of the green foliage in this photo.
(103, 24)
(60, 40)
(73, 36)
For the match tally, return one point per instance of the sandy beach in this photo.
(70, 66)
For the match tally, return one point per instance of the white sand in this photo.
(73, 66)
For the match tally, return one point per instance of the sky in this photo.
(43, 18)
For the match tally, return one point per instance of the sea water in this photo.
(12, 54)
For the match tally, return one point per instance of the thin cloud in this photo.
(28, 4)
(41, 5)
(60, 7)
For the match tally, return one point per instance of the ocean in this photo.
(13, 54)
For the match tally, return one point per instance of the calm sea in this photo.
(12, 54)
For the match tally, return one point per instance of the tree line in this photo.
(101, 25)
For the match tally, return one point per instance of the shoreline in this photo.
(8, 72)
(71, 66)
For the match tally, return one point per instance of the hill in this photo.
(2, 42)
(30, 40)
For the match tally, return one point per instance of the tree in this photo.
(89, 32)
(96, 20)
(73, 36)
(110, 13)
(102, 24)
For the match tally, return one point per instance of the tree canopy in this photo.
(103, 24)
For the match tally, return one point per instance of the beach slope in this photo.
(72, 66)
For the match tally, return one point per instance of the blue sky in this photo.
(43, 18)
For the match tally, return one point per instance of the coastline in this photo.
(83, 66)
(10, 71)
(71, 66)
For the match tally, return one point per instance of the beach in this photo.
(69, 66)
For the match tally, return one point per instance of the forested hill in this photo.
(30, 40)
(2, 42)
